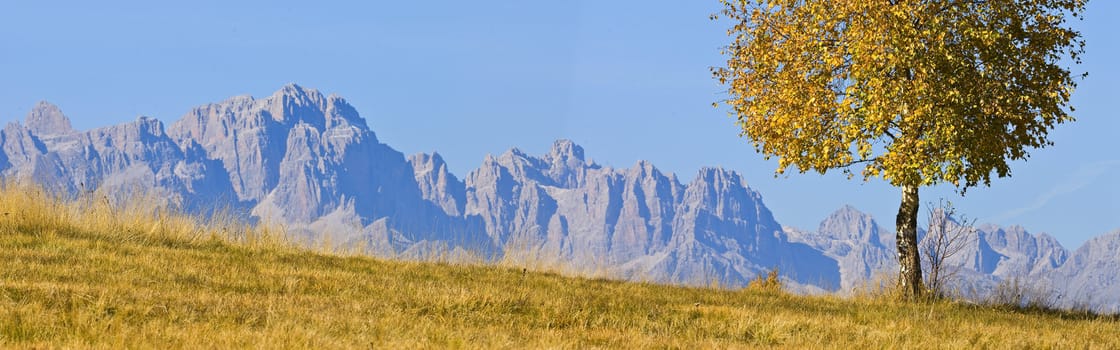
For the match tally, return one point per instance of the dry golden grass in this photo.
(83, 274)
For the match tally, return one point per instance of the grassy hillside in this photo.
(86, 274)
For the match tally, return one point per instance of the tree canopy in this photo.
(915, 91)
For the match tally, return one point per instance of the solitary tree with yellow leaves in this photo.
(917, 92)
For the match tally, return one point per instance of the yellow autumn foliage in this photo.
(917, 92)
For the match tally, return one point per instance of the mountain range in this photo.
(310, 162)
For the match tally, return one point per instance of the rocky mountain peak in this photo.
(259, 139)
(725, 193)
(143, 130)
(565, 152)
(645, 165)
(47, 119)
(423, 163)
(148, 126)
(719, 178)
(298, 94)
(295, 97)
(1048, 239)
(850, 223)
(339, 112)
(294, 104)
(566, 164)
(514, 153)
(643, 169)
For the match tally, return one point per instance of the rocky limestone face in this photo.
(851, 238)
(566, 165)
(21, 148)
(1024, 254)
(718, 226)
(718, 202)
(1049, 256)
(1088, 279)
(123, 161)
(251, 137)
(648, 211)
(1005, 253)
(561, 208)
(23, 143)
(242, 134)
(437, 184)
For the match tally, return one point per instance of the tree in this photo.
(947, 237)
(917, 92)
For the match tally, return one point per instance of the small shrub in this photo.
(948, 235)
(768, 282)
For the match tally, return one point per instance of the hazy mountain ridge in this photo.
(853, 239)
(991, 255)
(311, 162)
(1089, 276)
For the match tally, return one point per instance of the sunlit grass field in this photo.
(84, 273)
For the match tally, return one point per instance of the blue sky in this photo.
(627, 80)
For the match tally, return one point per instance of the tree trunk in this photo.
(909, 262)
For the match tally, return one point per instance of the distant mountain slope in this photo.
(853, 239)
(121, 160)
(987, 257)
(638, 221)
(1091, 275)
(311, 163)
